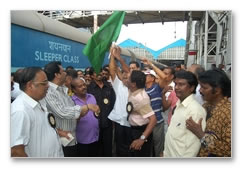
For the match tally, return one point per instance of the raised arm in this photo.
(112, 64)
(160, 73)
(114, 69)
(117, 55)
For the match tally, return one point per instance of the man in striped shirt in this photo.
(154, 90)
(61, 105)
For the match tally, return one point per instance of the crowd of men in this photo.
(120, 112)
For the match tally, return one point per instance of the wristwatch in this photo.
(203, 141)
(142, 137)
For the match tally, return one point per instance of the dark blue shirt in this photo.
(154, 93)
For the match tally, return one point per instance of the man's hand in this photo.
(146, 61)
(94, 108)
(195, 128)
(137, 144)
(63, 133)
(116, 52)
(167, 89)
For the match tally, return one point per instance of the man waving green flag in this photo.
(101, 41)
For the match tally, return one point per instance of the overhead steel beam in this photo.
(161, 17)
(139, 17)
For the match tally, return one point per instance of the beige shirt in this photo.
(179, 141)
(141, 108)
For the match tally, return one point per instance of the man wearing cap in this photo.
(141, 116)
(154, 91)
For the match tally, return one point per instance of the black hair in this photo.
(80, 71)
(91, 71)
(27, 75)
(106, 66)
(213, 66)
(71, 72)
(136, 63)
(199, 70)
(69, 67)
(172, 70)
(86, 71)
(189, 77)
(52, 68)
(139, 78)
(105, 69)
(17, 74)
(217, 78)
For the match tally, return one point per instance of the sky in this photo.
(154, 35)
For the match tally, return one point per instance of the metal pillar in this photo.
(206, 41)
(95, 23)
(188, 37)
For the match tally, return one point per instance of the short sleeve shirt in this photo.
(141, 108)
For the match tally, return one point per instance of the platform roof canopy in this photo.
(132, 17)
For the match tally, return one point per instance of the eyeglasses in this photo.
(44, 83)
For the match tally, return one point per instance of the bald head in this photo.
(79, 87)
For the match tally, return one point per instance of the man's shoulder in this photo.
(192, 103)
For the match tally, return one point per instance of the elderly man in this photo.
(31, 133)
(216, 140)
(179, 141)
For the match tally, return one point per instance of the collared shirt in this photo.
(119, 112)
(141, 108)
(16, 91)
(87, 130)
(30, 127)
(156, 101)
(179, 141)
(70, 92)
(219, 130)
(174, 100)
(170, 95)
(198, 95)
(105, 98)
(63, 108)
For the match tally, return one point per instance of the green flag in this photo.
(101, 41)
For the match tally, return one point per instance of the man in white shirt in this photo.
(31, 133)
(179, 141)
(119, 114)
(197, 69)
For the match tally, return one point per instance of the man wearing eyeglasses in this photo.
(31, 134)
